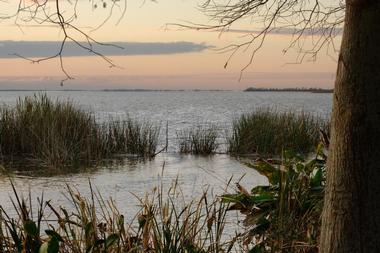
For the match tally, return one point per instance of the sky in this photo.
(150, 54)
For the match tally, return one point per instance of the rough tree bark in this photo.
(351, 216)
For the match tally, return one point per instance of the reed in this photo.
(283, 216)
(269, 132)
(131, 137)
(201, 140)
(164, 224)
(42, 132)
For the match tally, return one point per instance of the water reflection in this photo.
(194, 174)
(181, 110)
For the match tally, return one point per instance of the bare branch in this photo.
(61, 14)
(313, 25)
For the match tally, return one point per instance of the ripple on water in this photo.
(180, 110)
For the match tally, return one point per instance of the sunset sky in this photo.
(155, 55)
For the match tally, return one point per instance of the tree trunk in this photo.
(351, 216)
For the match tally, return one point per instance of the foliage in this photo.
(268, 132)
(55, 134)
(283, 216)
(200, 141)
(164, 224)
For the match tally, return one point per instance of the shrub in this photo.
(283, 216)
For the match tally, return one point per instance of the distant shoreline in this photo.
(312, 90)
(114, 90)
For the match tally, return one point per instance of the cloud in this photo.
(37, 49)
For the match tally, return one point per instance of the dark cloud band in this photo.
(37, 49)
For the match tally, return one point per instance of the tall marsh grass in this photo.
(283, 216)
(163, 224)
(269, 132)
(201, 140)
(44, 132)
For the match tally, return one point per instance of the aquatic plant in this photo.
(164, 224)
(42, 132)
(201, 140)
(283, 216)
(269, 132)
(131, 137)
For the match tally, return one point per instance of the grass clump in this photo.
(283, 216)
(163, 224)
(131, 137)
(42, 132)
(199, 141)
(269, 132)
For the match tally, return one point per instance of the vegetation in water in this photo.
(201, 140)
(268, 132)
(284, 216)
(165, 223)
(42, 132)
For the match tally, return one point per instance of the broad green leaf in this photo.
(31, 228)
(53, 245)
(52, 233)
(317, 178)
(233, 198)
(263, 197)
(266, 169)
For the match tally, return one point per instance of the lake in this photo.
(177, 109)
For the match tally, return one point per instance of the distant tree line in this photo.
(313, 90)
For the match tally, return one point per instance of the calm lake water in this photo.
(180, 110)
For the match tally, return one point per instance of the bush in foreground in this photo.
(42, 132)
(269, 132)
(284, 216)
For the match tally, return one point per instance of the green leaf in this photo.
(16, 239)
(98, 242)
(261, 188)
(53, 246)
(111, 240)
(52, 233)
(266, 169)
(317, 179)
(258, 248)
(233, 198)
(263, 197)
(31, 228)
(88, 229)
(262, 225)
(141, 220)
